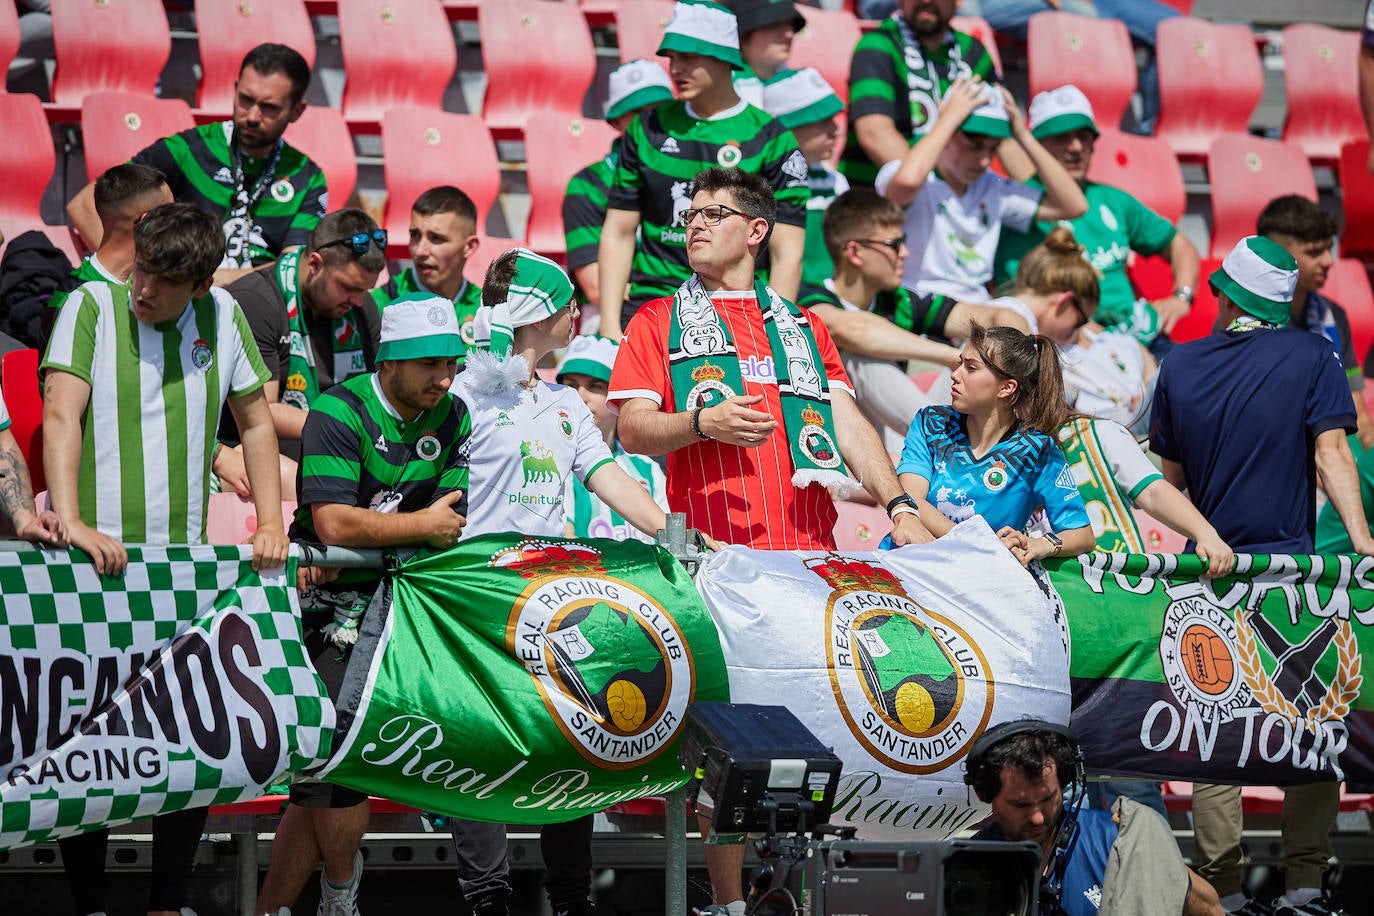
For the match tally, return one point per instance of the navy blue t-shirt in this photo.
(1241, 412)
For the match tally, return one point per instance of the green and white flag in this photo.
(181, 683)
(526, 681)
(897, 660)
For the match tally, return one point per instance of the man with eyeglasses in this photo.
(877, 323)
(747, 397)
(266, 194)
(314, 322)
(956, 206)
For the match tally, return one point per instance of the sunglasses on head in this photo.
(359, 241)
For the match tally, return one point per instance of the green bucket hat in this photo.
(797, 97)
(591, 355)
(990, 118)
(419, 326)
(636, 85)
(1059, 111)
(1259, 276)
(705, 28)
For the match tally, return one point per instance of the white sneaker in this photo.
(341, 901)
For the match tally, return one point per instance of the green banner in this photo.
(526, 681)
(1253, 678)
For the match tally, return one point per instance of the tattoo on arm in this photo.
(16, 490)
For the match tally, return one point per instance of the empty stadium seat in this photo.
(639, 28)
(9, 34)
(520, 79)
(1144, 167)
(1159, 537)
(395, 52)
(24, 400)
(827, 43)
(226, 30)
(1210, 82)
(116, 44)
(860, 527)
(1347, 285)
(422, 149)
(1200, 318)
(116, 125)
(1323, 98)
(322, 134)
(1357, 201)
(1093, 54)
(978, 27)
(27, 157)
(487, 251)
(564, 147)
(1246, 173)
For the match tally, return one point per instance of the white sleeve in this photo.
(1018, 204)
(885, 175)
(590, 448)
(1131, 469)
(4, 415)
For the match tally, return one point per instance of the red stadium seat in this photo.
(859, 527)
(422, 149)
(564, 147)
(1246, 173)
(978, 27)
(827, 43)
(322, 134)
(520, 79)
(1200, 318)
(639, 28)
(116, 125)
(395, 52)
(490, 247)
(1209, 82)
(1093, 54)
(118, 44)
(226, 30)
(1159, 537)
(1323, 100)
(27, 158)
(1347, 285)
(9, 34)
(1143, 167)
(1357, 201)
(24, 400)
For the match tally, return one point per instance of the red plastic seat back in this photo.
(19, 387)
(1144, 167)
(1093, 54)
(108, 44)
(322, 134)
(558, 148)
(226, 30)
(1347, 285)
(639, 28)
(395, 52)
(524, 75)
(422, 149)
(1246, 173)
(1203, 315)
(116, 125)
(9, 34)
(1323, 100)
(827, 43)
(1210, 82)
(27, 158)
(1357, 201)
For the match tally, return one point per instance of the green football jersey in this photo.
(584, 208)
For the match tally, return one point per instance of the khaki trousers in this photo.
(1309, 814)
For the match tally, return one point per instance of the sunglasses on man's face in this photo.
(360, 241)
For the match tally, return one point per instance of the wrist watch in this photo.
(1184, 294)
(903, 503)
(1055, 540)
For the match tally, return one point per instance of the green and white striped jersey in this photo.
(156, 395)
(660, 155)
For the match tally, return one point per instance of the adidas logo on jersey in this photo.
(669, 146)
(380, 444)
(224, 176)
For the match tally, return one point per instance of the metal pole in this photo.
(674, 537)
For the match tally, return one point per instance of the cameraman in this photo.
(1125, 859)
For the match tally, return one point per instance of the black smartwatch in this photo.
(903, 500)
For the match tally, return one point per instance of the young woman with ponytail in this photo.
(992, 452)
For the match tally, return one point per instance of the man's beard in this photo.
(924, 31)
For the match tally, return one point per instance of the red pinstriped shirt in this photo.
(737, 495)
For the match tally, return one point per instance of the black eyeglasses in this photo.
(711, 215)
(359, 241)
(894, 244)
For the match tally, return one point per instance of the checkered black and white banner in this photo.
(181, 683)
